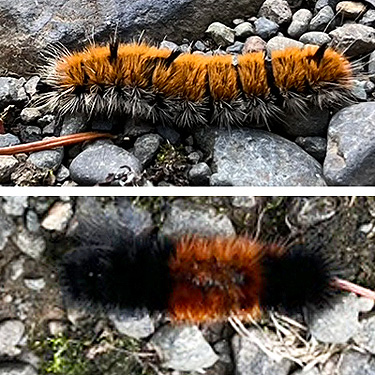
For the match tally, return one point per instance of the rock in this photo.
(320, 4)
(31, 85)
(31, 244)
(315, 146)
(371, 66)
(280, 42)
(47, 159)
(15, 206)
(146, 148)
(245, 202)
(266, 28)
(46, 120)
(168, 45)
(7, 228)
(354, 363)
(235, 48)
(16, 368)
(194, 157)
(17, 268)
(100, 161)
(359, 90)
(169, 134)
(315, 37)
(30, 133)
(7, 165)
(365, 337)
(138, 325)
(250, 359)
(183, 348)
(199, 174)
(338, 322)
(244, 30)
(351, 146)
(199, 46)
(276, 10)
(350, 9)
(32, 221)
(321, 20)
(35, 284)
(57, 328)
(185, 218)
(354, 39)
(57, 22)
(238, 21)
(58, 217)
(62, 173)
(312, 371)
(258, 158)
(368, 18)
(255, 44)
(221, 34)
(300, 23)
(12, 90)
(11, 333)
(29, 115)
(8, 140)
(73, 124)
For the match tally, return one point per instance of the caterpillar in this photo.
(184, 89)
(194, 279)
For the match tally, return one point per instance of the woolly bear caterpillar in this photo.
(184, 89)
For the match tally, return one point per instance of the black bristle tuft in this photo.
(126, 273)
(298, 278)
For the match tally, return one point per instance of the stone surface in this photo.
(359, 90)
(300, 23)
(15, 206)
(32, 26)
(168, 45)
(315, 37)
(73, 124)
(47, 159)
(28, 115)
(337, 323)
(320, 4)
(100, 161)
(35, 284)
(137, 325)
(7, 165)
(354, 39)
(199, 174)
(58, 216)
(183, 348)
(368, 18)
(184, 218)
(250, 359)
(244, 30)
(255, 44)
(16, 368)
(29, 243)
(315, 146)
(350, 158)
(276, 10)
(237, 47)
(168, 133)
(350, 9)
(320, 21)
(221, 34)
(8, 140)
(365, 336)
(12, 90)
(250, 157)
(11, 332)
(354, 363)
(146, 148)
(7, 228)
(266, 28)
(280, 42)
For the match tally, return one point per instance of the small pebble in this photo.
(221, 34)
(265, 28)
(322, 19)
(244, 30)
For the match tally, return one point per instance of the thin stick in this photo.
(47, 144)
(354, 288)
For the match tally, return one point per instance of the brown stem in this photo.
(354, 288)
(47, 144)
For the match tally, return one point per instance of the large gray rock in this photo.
(16, 368)
(315, 37)
(257, 158)
(12, 90)
(276, 10)
(184, 218)
(27, 27)
(350, 158)
(365, 337)
(221, 34)
(354, 363)
(322, 19)
(100, 161)
(300, 23)
(48, 159)
(11, 332)
(250, 359)
(183, 348)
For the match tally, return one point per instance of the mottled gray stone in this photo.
(11, 332)
(350, 9)
(30, 133)
(183, 348)
(133, 324)
(266, 28)
(47, 159)
(199, 174)
(32, 221)
(28, 115)
(365, 336)
(199, 46)
(313, 371)
(280, 43)
(237, 47)
(244, 30)
(315, 37)
(16, 368)
(255, 44)
(350, 158)
(8, 140)
(354, 363)
(7, 165)
(186, 218)
(15, 206)
(276, 10)
(371, 66)
(62, 173)
(257, 158)
(315, 146)
(338, 322)
(300, 23)
(250, 359)
(168, 45)
(31, 85)
(221, 34)
(31, 26)
(7, 228)
(320, 4)
(58, 216)
(359, 90)
(101, 160)
(31, 244)
(368, 18)
(146, 148)
(12, 90)
(73, 124)
(320, 21)
(36, 284)
(355, 39)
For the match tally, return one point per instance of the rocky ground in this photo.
(324, 148)
(39, 335)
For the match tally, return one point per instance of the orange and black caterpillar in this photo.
(183, 89)
(195, 279)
